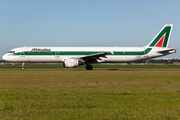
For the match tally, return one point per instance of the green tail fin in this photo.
(162, 38)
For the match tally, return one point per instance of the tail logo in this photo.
(160, 43)
(162, 38)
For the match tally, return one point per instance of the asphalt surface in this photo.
(87, 70)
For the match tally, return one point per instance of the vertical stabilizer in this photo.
(162, 38)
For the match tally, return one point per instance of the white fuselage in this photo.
(59, 54)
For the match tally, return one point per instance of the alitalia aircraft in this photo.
(75, 56)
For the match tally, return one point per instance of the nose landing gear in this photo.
(23, 66)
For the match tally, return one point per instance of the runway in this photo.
(112, 70)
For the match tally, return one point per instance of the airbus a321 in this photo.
(75, 56)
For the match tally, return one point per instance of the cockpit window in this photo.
(11, 52)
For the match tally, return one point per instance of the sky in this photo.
(81, 23)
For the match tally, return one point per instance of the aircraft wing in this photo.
(167, 51)
(94, 57)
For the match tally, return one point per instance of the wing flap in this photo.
(95, 56)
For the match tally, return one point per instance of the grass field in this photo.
(100, 94)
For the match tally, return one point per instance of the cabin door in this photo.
(57, 54)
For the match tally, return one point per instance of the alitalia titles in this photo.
(37, 49)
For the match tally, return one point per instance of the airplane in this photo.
(75, 56)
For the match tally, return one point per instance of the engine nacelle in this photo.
(69, 63)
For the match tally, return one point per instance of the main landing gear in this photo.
(23, 67)
(89, 67)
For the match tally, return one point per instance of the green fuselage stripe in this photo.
(82, 52)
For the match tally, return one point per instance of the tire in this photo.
(89, 67)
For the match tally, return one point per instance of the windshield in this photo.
(11, 52)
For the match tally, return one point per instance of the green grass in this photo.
(89, 94)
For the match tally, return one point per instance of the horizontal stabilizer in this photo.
(167, 51)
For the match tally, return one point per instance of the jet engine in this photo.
(70, 63)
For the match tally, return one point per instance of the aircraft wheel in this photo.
(22, 68)
(89, 67)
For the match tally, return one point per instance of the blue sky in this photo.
(124, 23)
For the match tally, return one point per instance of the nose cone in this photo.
(5, 57)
